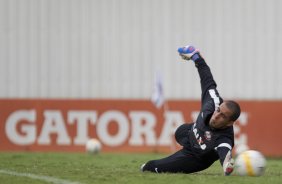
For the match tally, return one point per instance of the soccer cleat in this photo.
(187, 52)
(141, 168)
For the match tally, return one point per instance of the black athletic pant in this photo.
(181, 161)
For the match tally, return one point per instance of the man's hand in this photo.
(229, 167)
(187, 52)
(228, 164)
(184, 57)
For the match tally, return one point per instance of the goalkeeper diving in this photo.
(210, 137)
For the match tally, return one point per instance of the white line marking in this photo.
(38, 177)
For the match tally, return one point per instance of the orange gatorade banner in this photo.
(125, 125)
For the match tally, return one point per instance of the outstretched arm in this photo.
(227, 163)
(208, 85)
(206, 77)
(224, 150)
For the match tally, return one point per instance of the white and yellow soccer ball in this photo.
(93, 146)
(250, 163)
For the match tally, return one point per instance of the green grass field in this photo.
(71, 168)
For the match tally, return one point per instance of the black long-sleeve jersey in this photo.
(206, 142)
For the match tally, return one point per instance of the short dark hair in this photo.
(235, 108)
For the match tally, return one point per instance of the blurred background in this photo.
(111, 50)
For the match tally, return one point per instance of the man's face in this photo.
(221, 117)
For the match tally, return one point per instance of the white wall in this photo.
(112, 48)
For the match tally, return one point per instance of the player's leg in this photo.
(181, 134)
(179, 162)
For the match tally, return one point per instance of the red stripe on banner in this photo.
(124, 125)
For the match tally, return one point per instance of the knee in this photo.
(180, 132)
